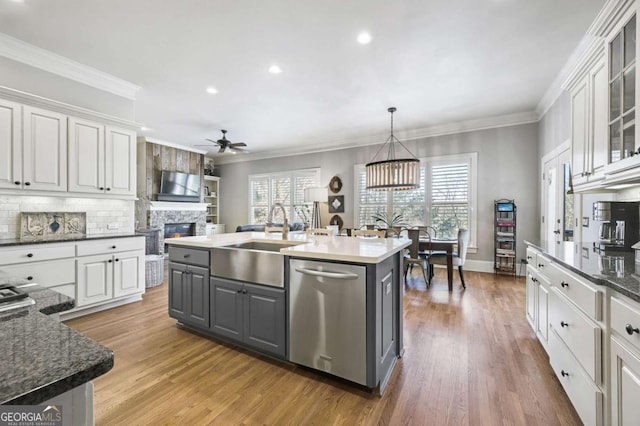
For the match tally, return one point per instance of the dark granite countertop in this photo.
(615, 269)
(68, 238)
(41, 357)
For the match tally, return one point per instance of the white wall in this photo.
(507, 168)
(100, 213)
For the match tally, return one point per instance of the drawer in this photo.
(189, 256)
(531, 257)
(582, 336)
(578, 290)
(110, 245)
(47, 274)
(586, 398)
(625, 318)
(36, 253)
(542, 263)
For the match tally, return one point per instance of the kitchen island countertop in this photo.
(341, 248)
(42, 357)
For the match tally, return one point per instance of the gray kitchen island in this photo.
(330, 303)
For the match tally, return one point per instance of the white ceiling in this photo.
(437, 61)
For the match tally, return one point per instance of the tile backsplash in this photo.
(101, 214)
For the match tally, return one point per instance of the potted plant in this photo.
(393, 221)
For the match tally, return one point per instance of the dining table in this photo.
(427, 245)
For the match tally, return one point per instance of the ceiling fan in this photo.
(226, 145)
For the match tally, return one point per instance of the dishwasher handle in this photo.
(336, 275)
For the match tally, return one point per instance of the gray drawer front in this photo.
(189, 256)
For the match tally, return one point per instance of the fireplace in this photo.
(177, 230)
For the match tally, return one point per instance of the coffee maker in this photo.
(620, 227)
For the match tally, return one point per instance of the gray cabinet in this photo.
(250, 314)
(189, 286)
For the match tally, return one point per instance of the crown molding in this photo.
(588, 45)
(143, 139)
(37, 57)
(376, 139)
(67, 109)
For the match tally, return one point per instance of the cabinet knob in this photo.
(17, 182)
(563, 284)
(29, 254)
(108, 189)
(564, 373)
(117, 260)
(244, 291)
(27, 183)
(239, 291)
(564, 324)
(101, 188)
(631, 330)
(529, 257)
(186, 256)
(29, 278)
(540, 265)
(110, 260)
(113, 247)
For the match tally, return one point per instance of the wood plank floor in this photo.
(471, 359)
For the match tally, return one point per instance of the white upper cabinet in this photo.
(101, 158)
(599, 125)
(579, 131)
(44, 150)
(10, 145)
(120, 161)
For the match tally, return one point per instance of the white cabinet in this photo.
(104, 273)
(579, 131)
(537, 295)
(212, 197)
(101, 158)
(625, 385)
(33, 144)
(10, 145)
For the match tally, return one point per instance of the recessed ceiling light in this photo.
(364, 38)
(275, 69)
(145, 128)
(18, 1)
(212, 90)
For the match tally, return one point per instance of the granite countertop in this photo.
(615, 269)
(41, 357)
(68, 238)
(341, 248)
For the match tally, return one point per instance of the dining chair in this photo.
(319, 231)
(459, 257)
(413, 258)
(375, 233)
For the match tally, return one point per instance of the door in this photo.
(226, 308)
(558, 201)
(579, 131)
(625, 385)
(197, 287)
(120, 161)
(10, 145)
(264, 319)
(599, 87)
(95, 279)
(44, 150)
(86, 156)
(531, 298)
(127, 273)
(177, 291)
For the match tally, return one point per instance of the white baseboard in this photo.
(484, 266)
(78, 312)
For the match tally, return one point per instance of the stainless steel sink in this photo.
(257, 262)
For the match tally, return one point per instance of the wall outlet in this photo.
(112, 226)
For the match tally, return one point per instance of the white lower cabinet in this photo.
(128, 275)
(625, 385)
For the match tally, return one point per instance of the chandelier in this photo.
(393, 174)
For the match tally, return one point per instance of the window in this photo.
(286, 188)
(445, 200)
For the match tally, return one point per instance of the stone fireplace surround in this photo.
(161, 213)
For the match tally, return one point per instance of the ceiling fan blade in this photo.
(235, 144)
(212, 141)
(240, 150)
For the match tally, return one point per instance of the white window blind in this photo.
(286, 188)
(445, 200)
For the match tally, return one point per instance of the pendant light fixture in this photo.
(393, 174)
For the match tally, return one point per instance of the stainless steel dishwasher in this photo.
(327, 318)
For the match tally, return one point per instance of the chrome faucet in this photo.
(285, 226)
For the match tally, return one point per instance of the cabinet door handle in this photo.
(29, 254)
(529, 257)
(563, 284)
(17, 182)
(337, 275)
(540, 265)
(631, 330)
(244, 291)
(564, 324)
(239, 291)
(564, 373)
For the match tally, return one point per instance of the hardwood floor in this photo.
(471, 359)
